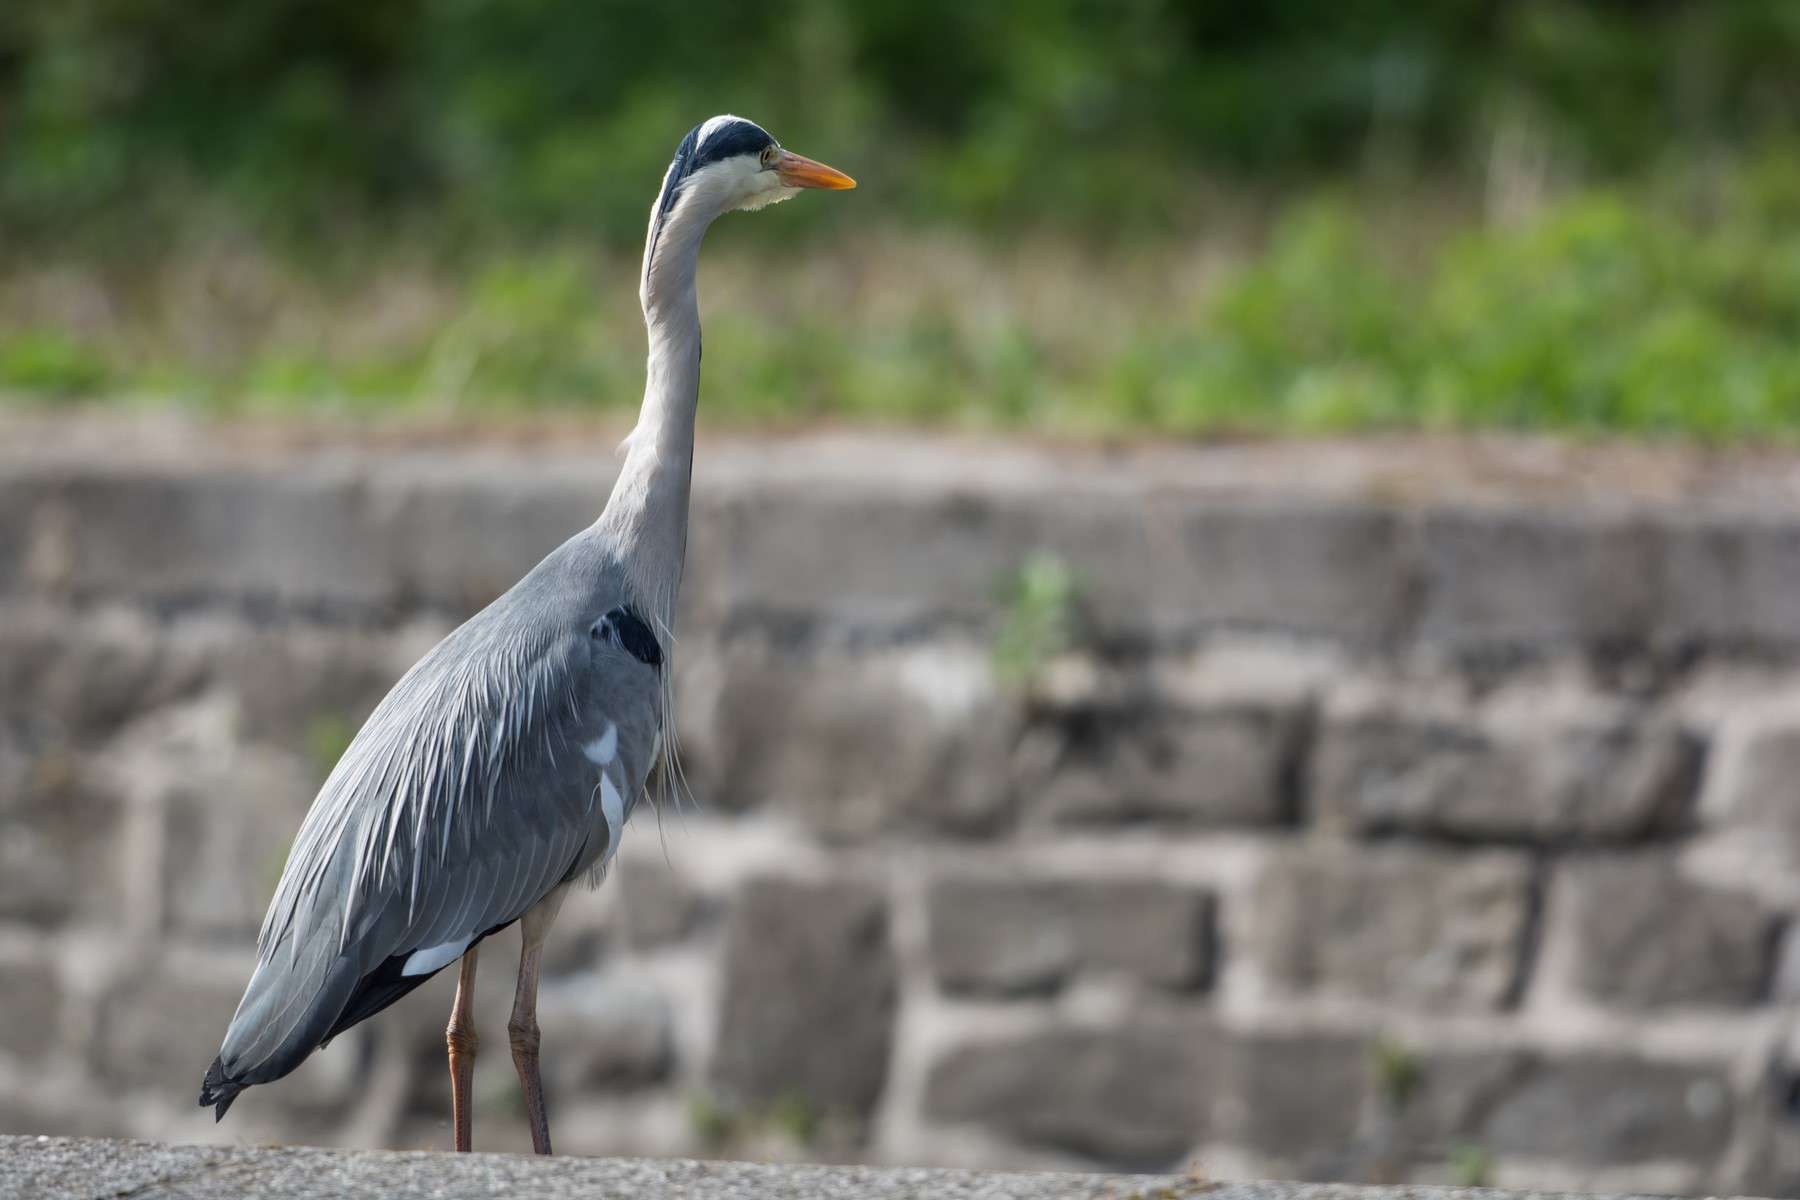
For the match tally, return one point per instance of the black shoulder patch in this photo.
(635, 635)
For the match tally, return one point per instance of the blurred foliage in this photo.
(1398, 1073)
(1039, 622)
(51, 364)
(1471, 1166)
(525, 117)
(1603, 315)
(328, 735)
(791, 1118)
(1525, 214)
(1655, 311)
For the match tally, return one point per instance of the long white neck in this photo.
(647, 513)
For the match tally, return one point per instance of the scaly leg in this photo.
(534, 927)
(463, 1044)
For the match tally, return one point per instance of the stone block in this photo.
(1336, 570)
(1598, 1110)
(1768, 1131)
(1138, 1095)
(1230, 765)
(228, 813)
(919, 555)
(324, 536)
(31, 999)
(656, 905)
(1379, 774)
(455, 537)
(611, 1033)
(1298, 1098)
(587, 934)
(856, 745)
(305, 689)
(62, 846)
(35, 1107)
(18, 499)
(807, 1012)
(227, 829)
(1644, 937)
(287, 538)
(1515, 577)
(1350, 1108)
(1012, 936)
(1165, 563)
(162, 1024)
(67, 677)
(1757, 785)
(1435, 1100)
(1404, 927)
(1733, 580)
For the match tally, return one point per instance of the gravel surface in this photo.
(103, 1169)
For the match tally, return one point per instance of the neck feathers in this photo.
(647, 514)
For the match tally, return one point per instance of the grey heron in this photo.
(505, 764)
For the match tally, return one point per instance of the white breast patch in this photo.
(603, 749)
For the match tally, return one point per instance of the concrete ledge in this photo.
(89, 1169)
(1469, 545)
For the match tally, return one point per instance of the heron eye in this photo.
(768, 157)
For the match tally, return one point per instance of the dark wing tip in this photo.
(218, 1091)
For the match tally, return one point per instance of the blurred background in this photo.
(1143, 217)
(1243, 611)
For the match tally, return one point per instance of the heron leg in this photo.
(463, 1044)
(534, 927)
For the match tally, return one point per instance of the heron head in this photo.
(728, 163)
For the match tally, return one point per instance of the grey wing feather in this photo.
(462, 802)
(414, 798)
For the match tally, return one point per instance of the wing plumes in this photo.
(438, 746)
(671, 781)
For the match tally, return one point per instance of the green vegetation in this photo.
(1039, 621)
(1151, 217)
(1650, 315)
(304, 116)
(328, 735)
(1193, 1183)
(1471, 1166)
(711, 1122)
(1398, 1073)
(792, 1117)
(796, 1118)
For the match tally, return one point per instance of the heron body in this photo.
(506, 763)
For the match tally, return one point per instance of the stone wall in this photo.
(1394, 811)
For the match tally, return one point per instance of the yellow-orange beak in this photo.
(796, 170)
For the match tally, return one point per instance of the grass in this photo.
(792, 1117)
(1666, 311)
(1471, 1166)
(1398, 1073)
(328, 735)
(1040, 604)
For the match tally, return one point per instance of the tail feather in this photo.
(218, 1091)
